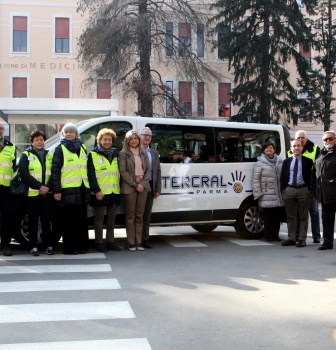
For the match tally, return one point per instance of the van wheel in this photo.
(204, 228)
(21, 233)
(250, 223)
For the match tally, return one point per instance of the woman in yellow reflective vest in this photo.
(35, 169)
(7, 167)
(104, 180)
(71, 189)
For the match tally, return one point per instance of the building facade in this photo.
(41, 80)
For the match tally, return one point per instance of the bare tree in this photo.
(131, 41)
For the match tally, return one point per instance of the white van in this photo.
(203, 195)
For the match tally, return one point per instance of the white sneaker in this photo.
(140, 248)
(34, 252)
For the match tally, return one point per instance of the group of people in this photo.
(74, 177)
(297, 184)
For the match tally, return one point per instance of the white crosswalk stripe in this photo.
(54, 257)
(65, 312)
(44, 286)
(39, 269)
(115, 344)
(183, 242)
(59, 311)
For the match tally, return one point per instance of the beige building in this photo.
(41, 81)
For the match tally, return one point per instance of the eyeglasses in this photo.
(329, 139)
(146, 135)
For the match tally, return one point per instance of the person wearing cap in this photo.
(323, 187)
(71, 189)
(8, 164)
(312, 151)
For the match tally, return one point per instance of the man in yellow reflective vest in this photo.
(312, 151)
(7, 166)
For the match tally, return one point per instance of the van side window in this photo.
(244, 145)
(120, 128)
(171, 141)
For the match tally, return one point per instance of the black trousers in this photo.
(6, 211)
(328, 222)
(74, 228)
(39, 208)
(271, 222)
(147, 213)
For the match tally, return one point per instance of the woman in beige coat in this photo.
(266, 189)
(135, 171)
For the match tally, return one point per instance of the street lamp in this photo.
(249, 116)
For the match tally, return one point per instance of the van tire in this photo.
(20, 229)
(250, 223)
(204, 227)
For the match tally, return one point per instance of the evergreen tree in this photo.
(262, 37)
(122, 37)
(319, 88)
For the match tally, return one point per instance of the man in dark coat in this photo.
(323, 187)
(311, 151)
(294, 184)
(154, 182)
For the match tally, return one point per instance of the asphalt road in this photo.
(192, 291)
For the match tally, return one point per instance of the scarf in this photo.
(72, 145)
(41, 153)
(137, 161)
(108, 153)
(273, 160)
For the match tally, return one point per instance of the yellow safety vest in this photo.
(7, 155)
(311, 155)
(35, 170)
(108, 175)
(74, 170)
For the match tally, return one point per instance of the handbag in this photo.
(17, 187)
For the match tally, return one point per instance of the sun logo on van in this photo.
(238, 179)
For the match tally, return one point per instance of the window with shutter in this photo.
(185, 97)
(103, 88)
(19, 87)
(62, 88)
(224, 105)
(62, 35)
(200, 99)
(20, 34)
(184, 39)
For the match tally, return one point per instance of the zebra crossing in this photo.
(32, 313)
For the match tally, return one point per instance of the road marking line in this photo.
(108, 344)
(55, 268)
(57, 285)
(59, 256)
(182, 242)
(65, 312)
(246, 243)
(236, 239)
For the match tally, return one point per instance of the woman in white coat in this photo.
(266, 189)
